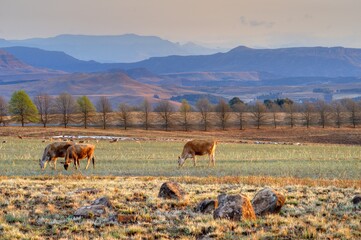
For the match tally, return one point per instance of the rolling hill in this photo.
(283, 62)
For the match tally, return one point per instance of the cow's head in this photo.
(181, 161)
(66, 165)
(44, 161)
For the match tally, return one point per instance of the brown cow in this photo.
(198, 147)
(52, 151)
(78, 152)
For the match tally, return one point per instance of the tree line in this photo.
(65, 110)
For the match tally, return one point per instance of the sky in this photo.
(213, 23)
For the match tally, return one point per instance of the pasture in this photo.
(19, 157)
(318, 180)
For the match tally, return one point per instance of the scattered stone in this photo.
(267, 201)
(207, 206)
(105, 201)
(356, 199)
(171, 190)
(90, 211)
(234, 207)
(88, 190)
(127, 218)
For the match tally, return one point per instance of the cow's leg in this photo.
(54, 161)
(76, 163)
(90, 157)
(213, 160)
(194, 159)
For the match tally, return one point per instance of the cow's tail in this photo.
(215, 142)
(93, 160)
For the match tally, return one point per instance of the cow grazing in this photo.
(198, 147)
(78, 152)
(52, 151)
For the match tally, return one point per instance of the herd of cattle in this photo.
(75, 152)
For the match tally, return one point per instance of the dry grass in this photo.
(43, 207)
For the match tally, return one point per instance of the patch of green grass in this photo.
(153, 158)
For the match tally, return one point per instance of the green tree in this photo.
(185, 109)
(234, 101)
(22, 108)
(86, 109)
(3, 110)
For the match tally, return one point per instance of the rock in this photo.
(267, 201)
(207, 206)
(90, 211)
(88, 190)
(105, 201)
(356, 199)
(171, 190)
(234, 207)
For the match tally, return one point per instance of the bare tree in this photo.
(43, 102)
(125, 115)
(337, 113)
(275, 110)
(308, 110)
(259, 114)
(166, 111)
(185, 109)
(323, 110)
(146, 109)
(65, 105)
(86, 109)
(353, 110)
(240, 109)
(205, 108)
(3, 110)
(291, 111)
(223, 111)
(105, 108)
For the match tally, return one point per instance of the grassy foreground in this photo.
(43, 207)
(318, 181)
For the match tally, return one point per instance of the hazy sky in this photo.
(223, 23)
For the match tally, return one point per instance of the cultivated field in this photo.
(318, 179)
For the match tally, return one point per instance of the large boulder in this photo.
(207, 206)
(90, 211)
(356, 199)
(96, 209)
(105, 201)
(267, 201)
(171, 190)
(234, 207)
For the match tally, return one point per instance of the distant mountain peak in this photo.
(111, 48)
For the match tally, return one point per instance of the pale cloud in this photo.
(256, 23)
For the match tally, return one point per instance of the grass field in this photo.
(318, 180)
(154, 158)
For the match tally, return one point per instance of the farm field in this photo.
(319, 180)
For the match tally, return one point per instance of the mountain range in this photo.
(118, 48)
(299, 73)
